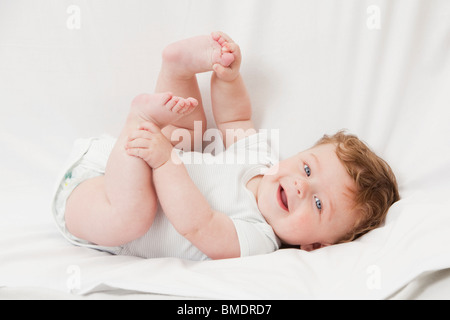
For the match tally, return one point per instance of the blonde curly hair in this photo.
(376, 185)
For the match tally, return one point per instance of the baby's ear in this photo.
(314, 246)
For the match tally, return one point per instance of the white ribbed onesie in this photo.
(221, 179)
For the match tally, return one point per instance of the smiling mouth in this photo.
(282, 199)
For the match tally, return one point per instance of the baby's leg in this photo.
(120, 206)
(181, 61)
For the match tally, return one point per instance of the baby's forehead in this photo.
(321, 150)
(325, 158)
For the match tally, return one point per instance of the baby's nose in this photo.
(301, 186)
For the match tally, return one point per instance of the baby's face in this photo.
(307, 199)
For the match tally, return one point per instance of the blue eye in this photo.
(318, 203)
(307, 170)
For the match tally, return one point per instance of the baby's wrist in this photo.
(171, 159)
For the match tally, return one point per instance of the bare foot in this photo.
(231, 71)
(162, 108)
(195, 55)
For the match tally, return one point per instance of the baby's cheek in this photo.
(304, 220)
(272, 171)
(298, 229)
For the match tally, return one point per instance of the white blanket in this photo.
(381, 69)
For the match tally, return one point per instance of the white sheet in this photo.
(311, 68)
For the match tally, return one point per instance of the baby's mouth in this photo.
(282, 199)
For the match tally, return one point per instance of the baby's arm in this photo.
(230, 101)
(210, 231)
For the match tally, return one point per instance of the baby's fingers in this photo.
(137, 143)
(220, 70)
(136, 152)
(145, 130)
(225, 73)
(150, 127)
(139, 134)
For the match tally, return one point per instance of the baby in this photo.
(138, 195)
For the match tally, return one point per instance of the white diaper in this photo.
(87, 160)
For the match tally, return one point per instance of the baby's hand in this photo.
(149, 144)
(231, 72)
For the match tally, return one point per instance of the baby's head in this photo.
(334, 192)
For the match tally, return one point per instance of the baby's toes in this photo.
(179, 106)
(217, 36)
(227, 59)
(221, 37)
(230, 53)
(172, 103)
(191, 104)
(165, 97)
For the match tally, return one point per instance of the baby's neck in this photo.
(253, 185)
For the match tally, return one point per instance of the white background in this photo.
(311, 67)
